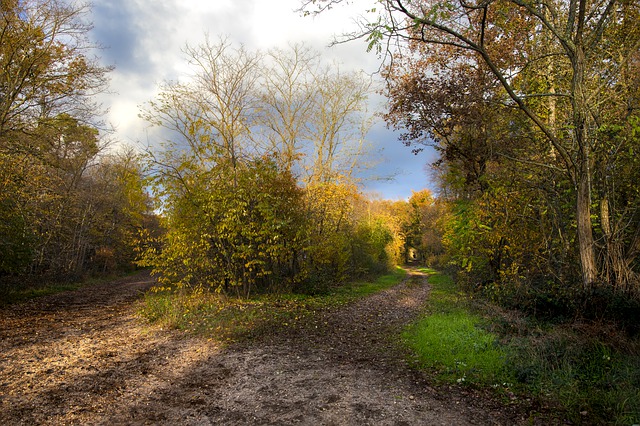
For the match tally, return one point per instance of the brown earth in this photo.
(84, 357)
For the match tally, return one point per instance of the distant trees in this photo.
(421, 229)
(66, 208)
(66, 213)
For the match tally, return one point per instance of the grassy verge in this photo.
(227, 318)
(22, 295)
(18, 294)
(450, 341)
(589, 373)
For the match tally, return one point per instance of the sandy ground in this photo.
(84, 357)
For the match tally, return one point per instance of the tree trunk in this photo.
(583, 173)
(585, 232)
(616, 270)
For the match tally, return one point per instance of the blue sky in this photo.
(143, 40)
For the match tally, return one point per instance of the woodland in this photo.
(532, 106)
(251, 189)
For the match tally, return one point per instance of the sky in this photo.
(144, 41)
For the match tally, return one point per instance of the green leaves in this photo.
(374, 39)
(235, 230)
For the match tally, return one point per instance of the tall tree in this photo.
(213, 113)
(314, 116)
(339, 125)
(288, 98)
(48, 138)
(255, 177)
(46, 66)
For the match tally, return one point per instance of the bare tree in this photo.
(315, 115)
(339, 125)
(212, 114)
(288, 102)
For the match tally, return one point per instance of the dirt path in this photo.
(84, 358)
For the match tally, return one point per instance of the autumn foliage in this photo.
(67, 207)
(534, 111)
(254, 182)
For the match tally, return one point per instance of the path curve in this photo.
(83, 357)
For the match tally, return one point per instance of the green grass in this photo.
(584, 373)
(230, 319)
(457, 350)
(450, 342)
(357, 289)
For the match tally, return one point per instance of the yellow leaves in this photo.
(232, 233)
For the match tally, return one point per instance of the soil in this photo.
(85, 357)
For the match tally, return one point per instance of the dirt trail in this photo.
(83, 357)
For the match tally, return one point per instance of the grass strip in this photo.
(450, 342)
(18, 294)
(230, 319)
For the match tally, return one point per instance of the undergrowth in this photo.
(21, 295)
(10, 294)
(229, 318)
(586, 373)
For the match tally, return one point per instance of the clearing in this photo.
(84, 357)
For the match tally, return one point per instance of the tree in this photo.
(17, 235)
(213, 114)
(122, 210)
(48, 79)
(67, 148)
(288, 98)
(230, 209)
(329, 207)
(338, 126)
(314, 116)
(45, 67)
(255, 177)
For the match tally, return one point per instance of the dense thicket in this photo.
(66, 208)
